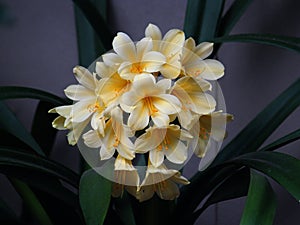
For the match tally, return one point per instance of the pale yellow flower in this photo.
(112, 85)
(194, 63)
(125, 175)
(170, 46)
(170, 141)
(116, 137)
(146, 99)
(161, 181)
(134, 59)
(212, 128)
(194, 100)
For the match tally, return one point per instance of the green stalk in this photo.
(31, 201)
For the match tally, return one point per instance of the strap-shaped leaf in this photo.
(283, 168)
(11, 92)
(234, 187)
(15, 159)
(232, 16)
(210, 20)
(290, 43)
(9, 123)
(32, 202)
(97, 21)
(193, 18)
(263, 125)
(261, 202)
(287, 139)
(94, 196)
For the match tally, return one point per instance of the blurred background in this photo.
(38, 48)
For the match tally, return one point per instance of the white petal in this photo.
(160, 119)
(64, 110)
(177, 155)
(81, 111)
(145, 193)
(152, 61)
(126, 150)
(79, 92)
(204, 49)
(212, 69)
(84, 77)
(111, 59)
(168, 190)
(106, 153)
(143, 46)
(139, 117)
(124, 47)
(172, 42)
(156, 157)
(168, 104)
(203, 104)
(153, 31)
(92, 139)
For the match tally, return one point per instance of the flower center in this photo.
(95, 107)
(137, 68)
(149, 104)
(203, 133)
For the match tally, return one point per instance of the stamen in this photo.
(150, 106)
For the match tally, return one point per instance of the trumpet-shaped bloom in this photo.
(125, 176)
(134, 59)
(89, 106)
(194, 100)
(112, 85)
(167, 141)
(194, 65)
(149, 99)
(116, 137)
(212, 126)
(161, 181)
(170, 46)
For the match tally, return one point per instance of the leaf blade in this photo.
(261, 202)
(290, 43)
(94, 203)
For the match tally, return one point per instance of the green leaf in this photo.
(193, 18)
(290, 43)
(42, 129)
(10, 124)
(96, 20)
(94, 196)
(232, 16)
(210, 20)
(283, 168)
(31, 201)
(15, 159)
(263, 125)
(12, 92)
(235, 186)
(261, 202)
(287, 139)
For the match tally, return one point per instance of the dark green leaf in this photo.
(17, 160)
(11, 92)
(94, 196)
(290, 43)
(96, 20)
(31, 201)
(291, 137)
(235, 186)
(232, 16)
(261, 202)
(263, 125)
(193, 18)
(10, 124)
(210, 20)
(42, 129)
(283, 168)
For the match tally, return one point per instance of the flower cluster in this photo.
(146, 100)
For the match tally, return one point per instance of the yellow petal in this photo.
(124, 47)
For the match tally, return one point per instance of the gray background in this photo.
(39, 50)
